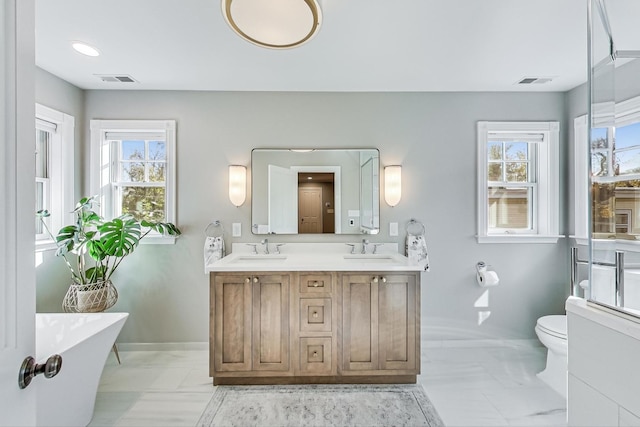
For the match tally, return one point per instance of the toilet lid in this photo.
(554, 325)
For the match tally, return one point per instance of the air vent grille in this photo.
(534, 80)
(116, 78)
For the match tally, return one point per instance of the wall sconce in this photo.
(237, 184)
(275, 24)
(392, 184)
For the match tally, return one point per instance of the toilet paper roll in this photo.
(487, 278)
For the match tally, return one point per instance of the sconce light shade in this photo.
(276, 24)
(392, 184)
(237, 184)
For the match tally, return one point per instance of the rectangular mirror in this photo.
(322, 191)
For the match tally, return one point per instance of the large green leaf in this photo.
(120, 236)
(162, 227)
(96, 250)
(68, 239)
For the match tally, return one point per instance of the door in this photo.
(310, 210)
(282, 200)
(381, 324)
(231, 346)
(359, 322)
(271, 337)
(398, 324)
(17, 210)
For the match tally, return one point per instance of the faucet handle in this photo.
(375, 247)
(353, 247)
(278, 247)
(255, 249)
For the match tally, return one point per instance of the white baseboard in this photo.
(455, 343)
(163, 346)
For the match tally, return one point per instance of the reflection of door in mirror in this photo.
(310, 209)
(315, 202)
(282, 200)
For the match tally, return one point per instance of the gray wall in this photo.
(431, 134)
(52, 276)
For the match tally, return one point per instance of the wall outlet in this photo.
(393, 229)
(352, 222)
(236, 229)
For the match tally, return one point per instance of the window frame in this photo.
(61, 173)
(545, 204)
(103, 162)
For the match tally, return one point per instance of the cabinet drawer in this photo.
(315, 315)
(315, 355)
(315, 284)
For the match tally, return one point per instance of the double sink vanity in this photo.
(314, 313)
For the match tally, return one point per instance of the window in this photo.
(518, 182)
(615, 173)
(54, 165)
(134, 169)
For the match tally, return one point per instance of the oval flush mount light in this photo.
(276, 24)
(85, 49)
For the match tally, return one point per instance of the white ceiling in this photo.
(363, 45)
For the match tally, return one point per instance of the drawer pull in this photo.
(247, 280)
(315, 354)
(375, 280)
(315, 314)
(255, 280)
(316, 284)
(384, 280)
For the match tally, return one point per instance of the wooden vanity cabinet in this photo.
(299, 327)
(380, 324)
(250, 323)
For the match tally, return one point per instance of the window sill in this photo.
(518, 238)
(157, 239)
(45, 245)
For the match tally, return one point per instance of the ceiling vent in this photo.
(534, 80)
(116, 78)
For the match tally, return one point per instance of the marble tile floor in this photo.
(484, 384)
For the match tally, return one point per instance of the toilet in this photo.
(552, 332)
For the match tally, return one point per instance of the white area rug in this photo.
(320, 405)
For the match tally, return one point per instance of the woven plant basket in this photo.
(90, 298)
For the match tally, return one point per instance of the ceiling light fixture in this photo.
(85, 49)
(276, 24)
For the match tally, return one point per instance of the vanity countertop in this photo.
(314, 257)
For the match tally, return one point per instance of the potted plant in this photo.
(93, 248)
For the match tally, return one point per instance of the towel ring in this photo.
(415, 228)
(217, 227)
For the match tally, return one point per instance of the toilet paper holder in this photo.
(485, 277)
(481, 266)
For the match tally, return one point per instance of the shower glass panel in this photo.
(614, 149)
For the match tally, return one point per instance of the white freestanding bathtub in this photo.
(84, 341)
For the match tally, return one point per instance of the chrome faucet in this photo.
(365, 242)
(265, 243)
(253, 245)
(278, 247)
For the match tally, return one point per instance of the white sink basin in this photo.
(259, 259)
(370, 258)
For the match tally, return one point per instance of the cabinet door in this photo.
(231, 344)
(359, 322)
(271, 335)
(398, 322)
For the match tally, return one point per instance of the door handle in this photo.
(30, 369)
